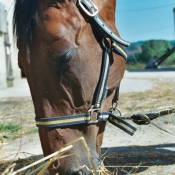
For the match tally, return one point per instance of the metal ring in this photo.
(103, 42)
(143, 116)
(119, 111)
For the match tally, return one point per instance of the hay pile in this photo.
(20, 112)
(40, 166)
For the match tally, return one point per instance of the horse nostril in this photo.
(74, 171)
(77, 173)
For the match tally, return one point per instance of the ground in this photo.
(149, 151)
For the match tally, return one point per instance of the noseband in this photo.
(111, 42)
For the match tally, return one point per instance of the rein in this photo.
(111, 42)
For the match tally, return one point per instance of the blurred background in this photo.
(150, 27)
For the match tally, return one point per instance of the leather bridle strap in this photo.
(62, 121)
(102, 89)
(103, 28)
(106, 33)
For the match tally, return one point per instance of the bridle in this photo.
(89, 8)
(111, 42)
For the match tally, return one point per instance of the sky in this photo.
(140, 20)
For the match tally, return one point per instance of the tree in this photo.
(153, 49)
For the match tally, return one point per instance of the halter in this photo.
(106, 33)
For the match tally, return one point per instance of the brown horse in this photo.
(60, 52)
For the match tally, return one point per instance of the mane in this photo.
(23, 20)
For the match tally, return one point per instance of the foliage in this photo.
(172, 42)
(153, 49)
(133, 46)
(144, 51)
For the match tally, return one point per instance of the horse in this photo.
(69, 50)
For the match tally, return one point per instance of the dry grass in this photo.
(161, 97)
(40, 166)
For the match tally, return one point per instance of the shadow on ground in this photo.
(11, 166)
(128, 160)
(135, 159)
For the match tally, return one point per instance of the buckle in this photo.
(115, 110)
(91, 111)
(140, 119)
(86, 11)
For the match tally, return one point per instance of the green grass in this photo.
(32, 130)
(12, 128)
(9, 131)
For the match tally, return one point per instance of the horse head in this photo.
(61, 53)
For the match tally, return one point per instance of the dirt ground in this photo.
(151, 151)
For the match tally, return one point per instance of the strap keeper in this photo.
(91, 111)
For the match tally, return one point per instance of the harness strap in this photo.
(116, 95)
(101, 88)
(106, 32)
(104, 29)
(62, 121)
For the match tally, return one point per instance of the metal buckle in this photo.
(91, 111)
(86, 11)
(117, 110)
(140, 119)
(145, 118)
(114, 109)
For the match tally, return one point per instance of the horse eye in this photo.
(65, 59)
